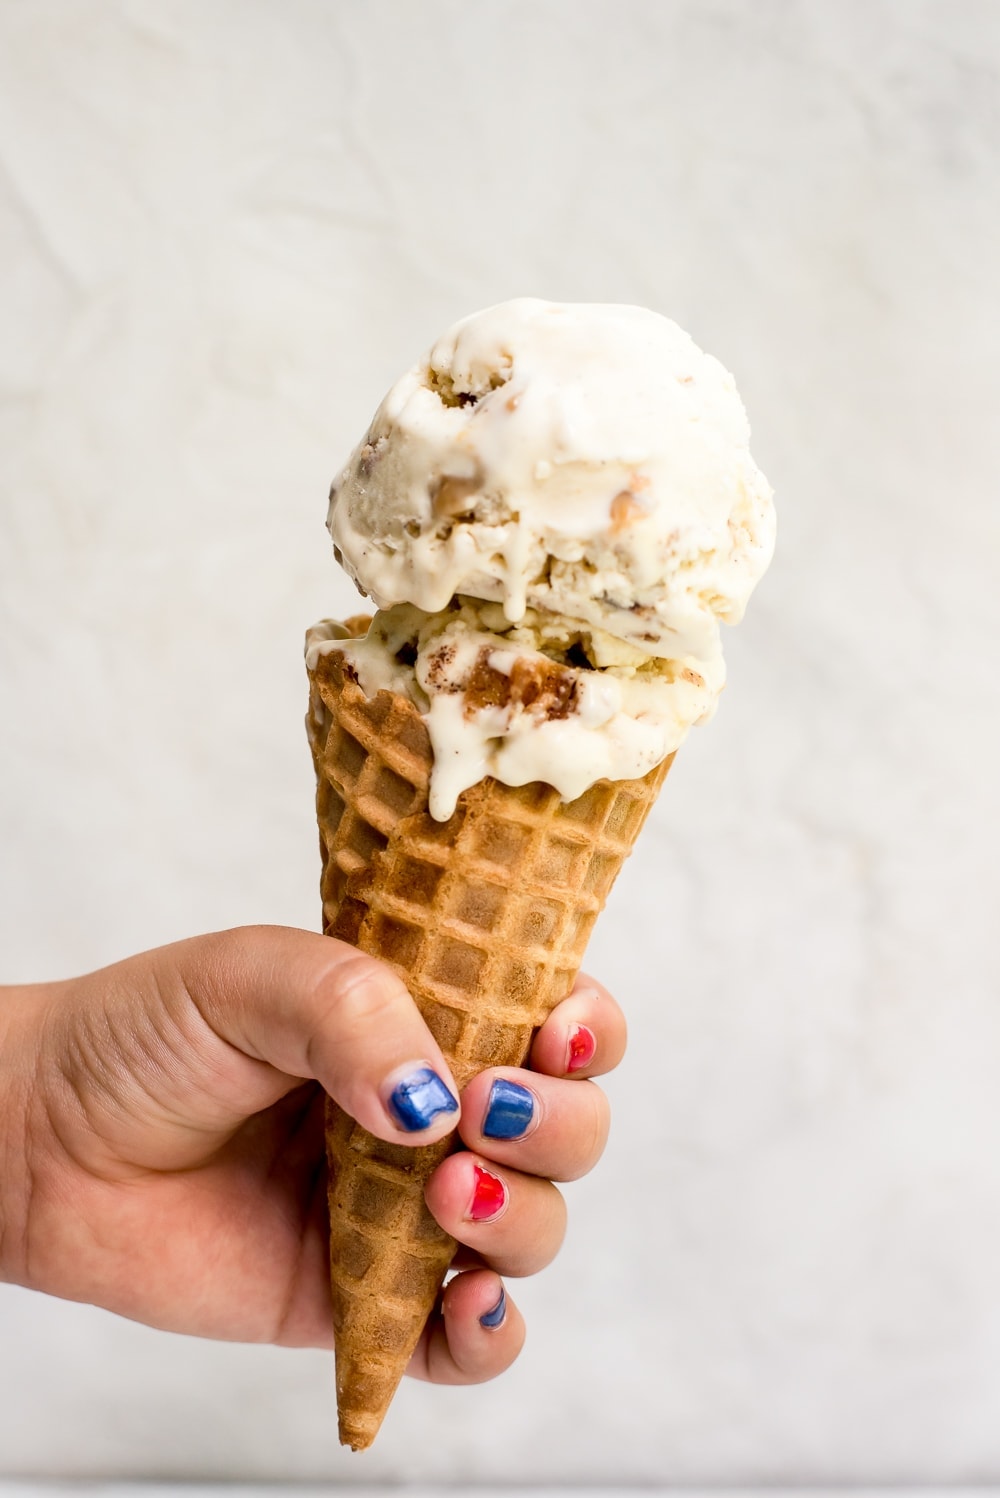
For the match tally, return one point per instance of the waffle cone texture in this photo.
(485, 917)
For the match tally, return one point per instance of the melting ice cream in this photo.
(553, 512)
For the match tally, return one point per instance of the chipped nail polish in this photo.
(418, 1098)
(498, 1315)
(509, 1111)
(489, 1197)
(582, 1047)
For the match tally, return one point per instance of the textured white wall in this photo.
(224, 228)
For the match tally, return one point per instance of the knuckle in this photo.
(611, 1027)
(593, 991)
(557, 1227)
(356, 997)
(359, 990)
(537, 1233)
(591, 1135)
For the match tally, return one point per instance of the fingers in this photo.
(584, 1036)
(475, 1335)
(525, 1129)
(308, 1006)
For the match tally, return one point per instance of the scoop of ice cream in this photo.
(545, 699)
(553, 512)
(585, 460)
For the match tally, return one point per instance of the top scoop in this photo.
(588, 460)
(554, 511)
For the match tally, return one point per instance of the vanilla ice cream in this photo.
(554, 511)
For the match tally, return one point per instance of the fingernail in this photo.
(509, 1112)
(489, 1197)
(418, 1098)
(492, 1319)
(582, 1047)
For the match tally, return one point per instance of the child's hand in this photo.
(162, 1150)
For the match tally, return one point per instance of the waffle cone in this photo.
(485, 917)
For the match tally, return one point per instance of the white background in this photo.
(225, 227)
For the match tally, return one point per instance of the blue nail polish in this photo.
(416, 1101)
(496, 1317)
(509, 1112)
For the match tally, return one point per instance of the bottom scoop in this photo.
(546, 699)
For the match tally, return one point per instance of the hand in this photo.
(162, 1151)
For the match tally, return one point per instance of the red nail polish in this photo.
(489, 1197)
(582, 1046)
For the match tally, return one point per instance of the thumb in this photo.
(291, 1005)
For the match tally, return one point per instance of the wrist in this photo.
(18, 1069)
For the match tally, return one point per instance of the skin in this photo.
(161, 1139)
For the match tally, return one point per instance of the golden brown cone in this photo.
(485, 917)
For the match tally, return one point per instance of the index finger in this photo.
(584, 1036)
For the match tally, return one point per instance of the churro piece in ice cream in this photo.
(546, 699)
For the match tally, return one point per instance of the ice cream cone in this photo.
(554, 512)
(486, 918)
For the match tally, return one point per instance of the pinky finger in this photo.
(475, 1334)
